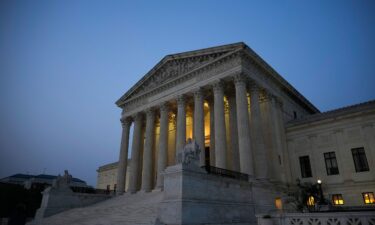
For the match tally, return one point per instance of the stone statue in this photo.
(62, 182)
(190, 153)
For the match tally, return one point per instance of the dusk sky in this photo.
(63, 64)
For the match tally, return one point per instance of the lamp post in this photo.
(321, 196)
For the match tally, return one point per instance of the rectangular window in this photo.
(278, 203)
(368, 197)
(337, 199)
(294, 114)
(331, 163)
(360, 160)
(304, 162)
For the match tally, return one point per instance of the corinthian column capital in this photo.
(125, 122)
(138, 117)
(218, 86)
(240, 79)
(150, 114)
(164, 107)
(254, 87)
(198, 93)
(181, 100)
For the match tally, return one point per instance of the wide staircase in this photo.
(128, 209)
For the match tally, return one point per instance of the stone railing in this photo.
(327, 218)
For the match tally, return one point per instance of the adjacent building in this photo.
(28, 181)
(107, 177)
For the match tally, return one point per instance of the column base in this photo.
(158, 189)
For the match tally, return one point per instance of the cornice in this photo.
(345, 111)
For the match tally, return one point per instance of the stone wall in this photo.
(56, 200)
(338, 131)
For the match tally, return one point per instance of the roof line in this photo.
(334, 112)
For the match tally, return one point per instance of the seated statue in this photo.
(189, 154)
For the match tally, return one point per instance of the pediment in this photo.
(177, 65)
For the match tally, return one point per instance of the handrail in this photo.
(226, 173)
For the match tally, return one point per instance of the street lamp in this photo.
(321, 196)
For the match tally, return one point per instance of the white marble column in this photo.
(220, 133)
(181, 125)
(278, 109)
(278, 169)
(163, 145)
(233, 131)
(261, 167)
(212, 132)
(123, 158)
(199, 123)
(135, 154)
(244, 143)
(147, 154)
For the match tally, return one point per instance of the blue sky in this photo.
(63, 64)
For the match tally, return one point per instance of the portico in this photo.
(211, 95)
(152, 125)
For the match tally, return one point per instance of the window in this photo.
(360, 160)
(337, 199)
(331, 163)
(294, 114)
(311, 201)
(304, 162)
(278, 203)
(368, 197)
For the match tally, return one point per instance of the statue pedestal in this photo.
(191, 196)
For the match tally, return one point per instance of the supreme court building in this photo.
(246, 118)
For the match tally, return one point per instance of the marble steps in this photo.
(128, 209)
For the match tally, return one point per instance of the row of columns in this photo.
(240, 127)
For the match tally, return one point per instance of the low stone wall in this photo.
(55, 201)
(326, 218)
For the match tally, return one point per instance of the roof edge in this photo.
(333, 113)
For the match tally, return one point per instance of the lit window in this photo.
(278, 203)
(337, 199)
(331, 163)
(360, 160)
(311, 201)
(368, 197)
